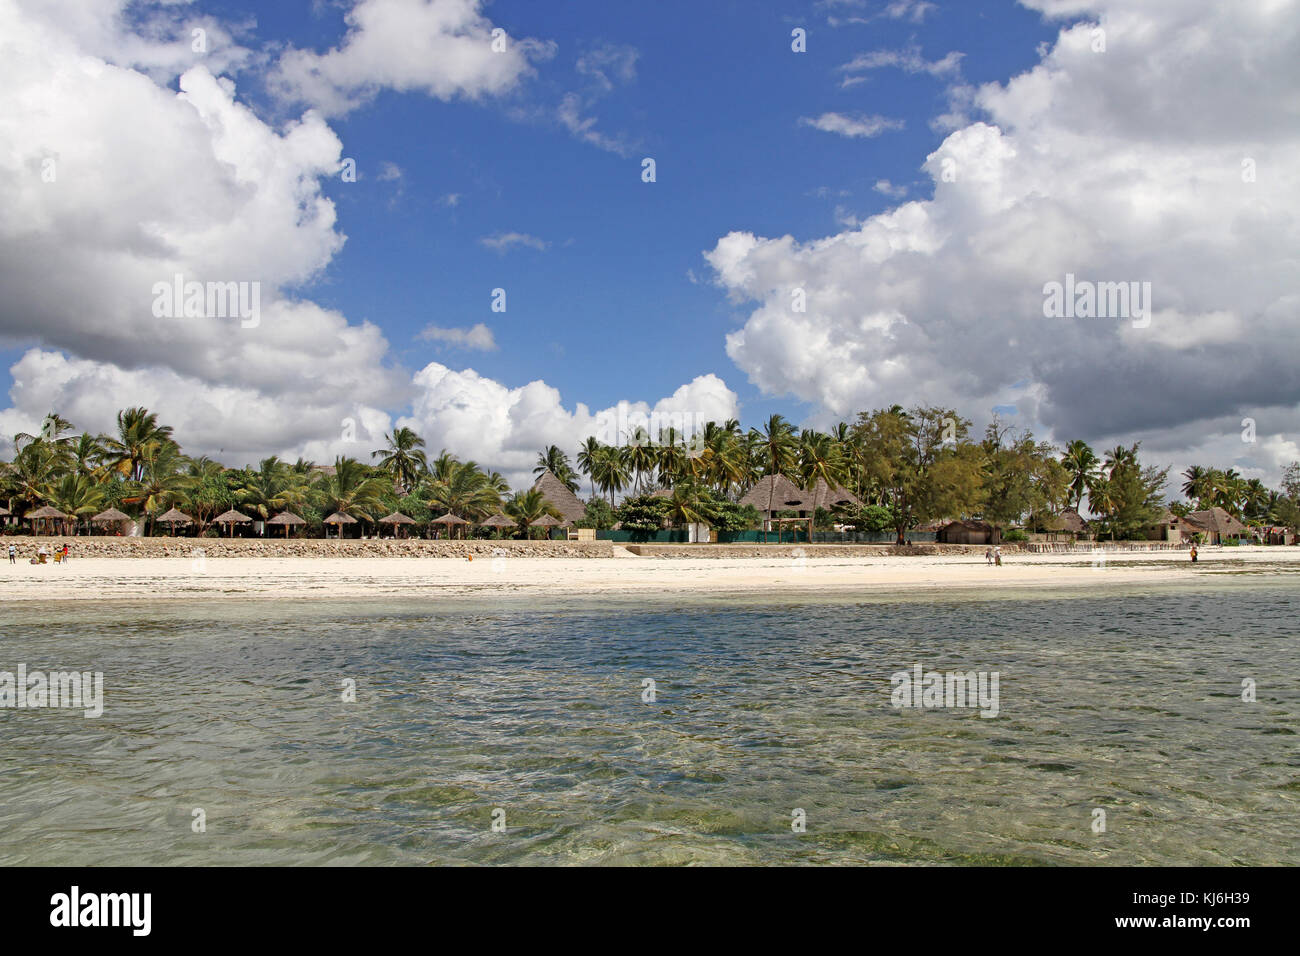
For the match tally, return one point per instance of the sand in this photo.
(98, 579)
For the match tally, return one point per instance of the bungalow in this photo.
(776, 493)
(1214, 525)
(968, 532)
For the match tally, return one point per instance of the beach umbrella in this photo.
(173, 517)
(231, 517)
(287, 518)
(498, 521)
(44, 513)
(340, 519)
(111, 516)
(450, 520)
(395, 519)
(546, 521)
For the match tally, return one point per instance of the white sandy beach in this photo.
(93, 579)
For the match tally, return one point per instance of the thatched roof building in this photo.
(1216, 524)
(969, 532)
(773, 494)
(559, 497)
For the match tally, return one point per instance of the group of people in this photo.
(42, 554)
(993, 556)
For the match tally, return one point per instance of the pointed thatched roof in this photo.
(449, 519)
(112, 514)
(397, 518)
(230, 517)
(498, 521)
(287, 517)
(546, 521)
(45, 512)
(1216, 520)
(175, 517)
(340, 517)
(824, 495)
(559, 497)
(775, 493)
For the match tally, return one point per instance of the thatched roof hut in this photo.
(1216, 524)
(231, 518)
(1068, 521)
(774, 493)
(111, 515)
(559, 497)
(396, 518)
(545, 521)
(827, 496)
(45, 511)
(452, 522)
(968, 532)
(499, 521)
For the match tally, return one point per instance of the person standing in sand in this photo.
(997, 557)
(13, 554)
(988, 555)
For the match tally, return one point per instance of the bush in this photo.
(1014, 535)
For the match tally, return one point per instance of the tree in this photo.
(557, 462)
(463, 489)
(778, 445)
(137, 429)
(526, 507)
(404, 458)
(1081, 465)
(352, 490)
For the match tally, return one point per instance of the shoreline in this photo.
(782, 577)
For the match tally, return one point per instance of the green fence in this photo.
(681, 536)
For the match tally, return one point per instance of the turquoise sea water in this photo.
(1129, 703)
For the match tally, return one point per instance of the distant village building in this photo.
(968, 532)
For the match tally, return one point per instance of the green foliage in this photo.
(643, 514)
(598, 515)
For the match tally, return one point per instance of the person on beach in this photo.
(988, 555)
(1193, 554)
(13, 554)
(997, 557)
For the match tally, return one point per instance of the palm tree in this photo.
(403, 458)
(352, 490)
(587, 454)
(162, 482)
(137, 429)
(263, 491)
(778, 446)
(1081, 465)
(76, 495)
(557, 463)
(465, 490)
(641, 458)
(820, 458)
(527, 506)
(609, 471)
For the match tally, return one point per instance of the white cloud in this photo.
(909, 60)
(443, 48)
(478, 337)
(853, 126)
(886, 188)
(503, 242)
(1118, 166)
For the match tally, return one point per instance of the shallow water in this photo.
(1129, 703)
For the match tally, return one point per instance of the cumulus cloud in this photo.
(478, 337)
(1167, 159)
(854, 126)
(112, 183)
(442, 48)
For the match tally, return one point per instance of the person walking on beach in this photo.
(13, 554)
(988, 555)
(1193, 554)
(997, 557)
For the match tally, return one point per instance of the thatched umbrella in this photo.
(44, 513)
(546, 521)
(111, 516)
(499, 521)
(287, 518)
(339, 518)
(450, 520)
(395, 519)
(231, 517)
(172, 518)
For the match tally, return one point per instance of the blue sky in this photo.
(1095, 137)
